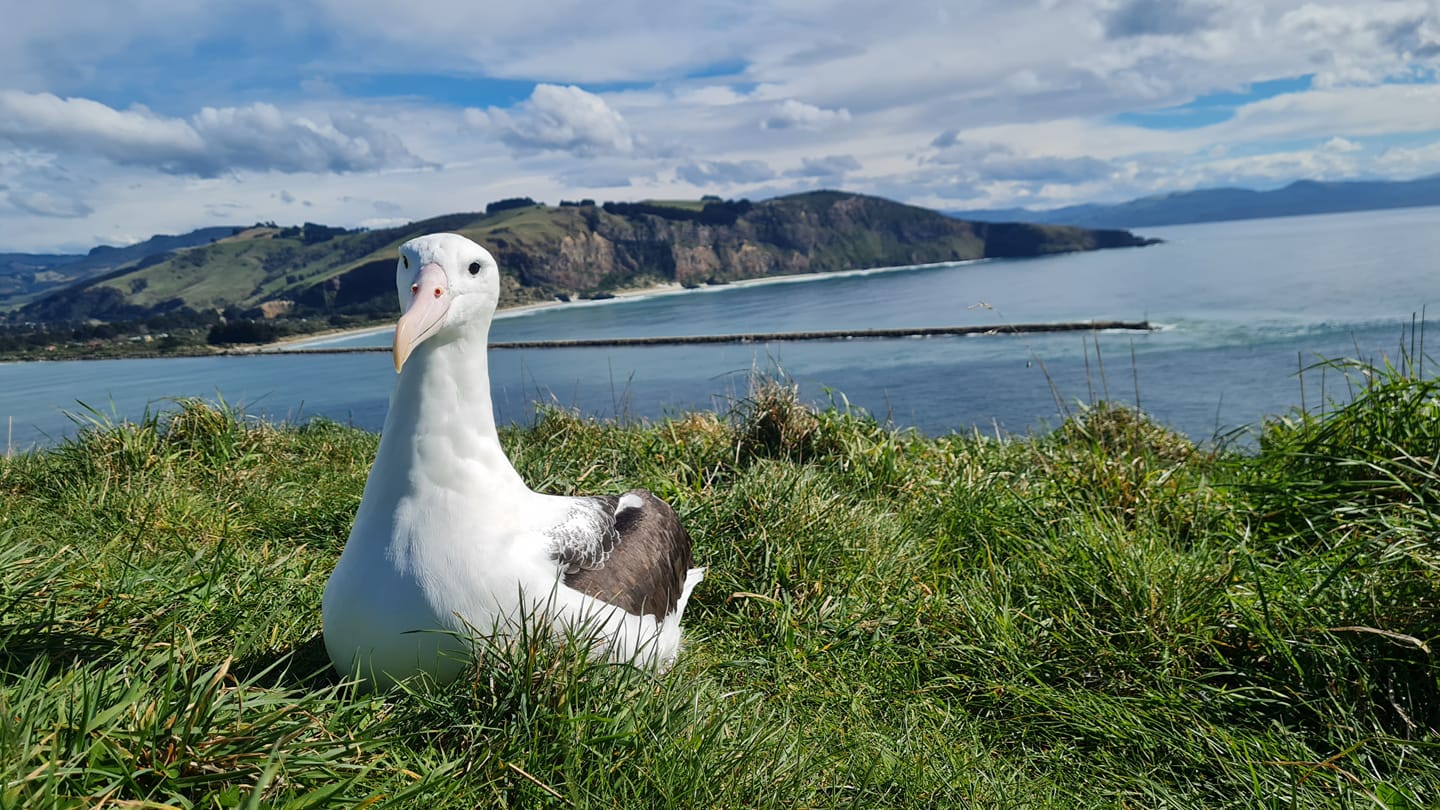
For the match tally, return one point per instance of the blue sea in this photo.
(1243, 307)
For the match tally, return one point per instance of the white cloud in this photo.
(1364, 43)
(594, 175)
(1342, 145)
(260, 137)
(136, 136)
(1277, 168)
(791, 113)
(723, 172)
(565, 119)
(44, 204)
(216, 140)
(976, 161)
(641, 98)
(1409, 161)
(830, 166)
(1343, 111)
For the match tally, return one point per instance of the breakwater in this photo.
(765, 337)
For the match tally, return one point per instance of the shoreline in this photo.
(653, 291)
(510, 312)
(323, 338)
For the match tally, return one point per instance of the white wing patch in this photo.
(629, 501)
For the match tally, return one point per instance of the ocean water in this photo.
(1243, 306)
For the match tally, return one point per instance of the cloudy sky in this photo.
(123, 119)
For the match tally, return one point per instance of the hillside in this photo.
(547, 252)
(24, 276)
(1220, 204)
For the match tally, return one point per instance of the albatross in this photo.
(450, 542)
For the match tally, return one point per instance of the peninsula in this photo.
(262, 283)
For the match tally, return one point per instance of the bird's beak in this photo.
(429, 301)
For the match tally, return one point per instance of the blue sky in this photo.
(121, 120)
(1213, 108)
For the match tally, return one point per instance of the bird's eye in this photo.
(474, 268)
(405, 260)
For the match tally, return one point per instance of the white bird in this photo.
(450, 541)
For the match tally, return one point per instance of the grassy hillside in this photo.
(23, 274)
(1105, 616)
(545, 252)
(247, 269)
(25, 277)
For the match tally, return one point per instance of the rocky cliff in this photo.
(582, 250)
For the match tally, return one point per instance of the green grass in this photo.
(533, 225)
(1103, 616)
(238, 269)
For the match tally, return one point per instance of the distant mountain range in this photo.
(576, 249)
(1218, 204)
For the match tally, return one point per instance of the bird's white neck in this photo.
(441, 418)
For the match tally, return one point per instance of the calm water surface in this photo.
(1243, 304)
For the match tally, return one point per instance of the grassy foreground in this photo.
(1103, 616)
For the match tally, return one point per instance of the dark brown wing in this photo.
(639, 558)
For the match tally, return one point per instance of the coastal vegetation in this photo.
(313, 277)
(1104, 615)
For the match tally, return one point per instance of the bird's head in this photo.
(444, 281)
